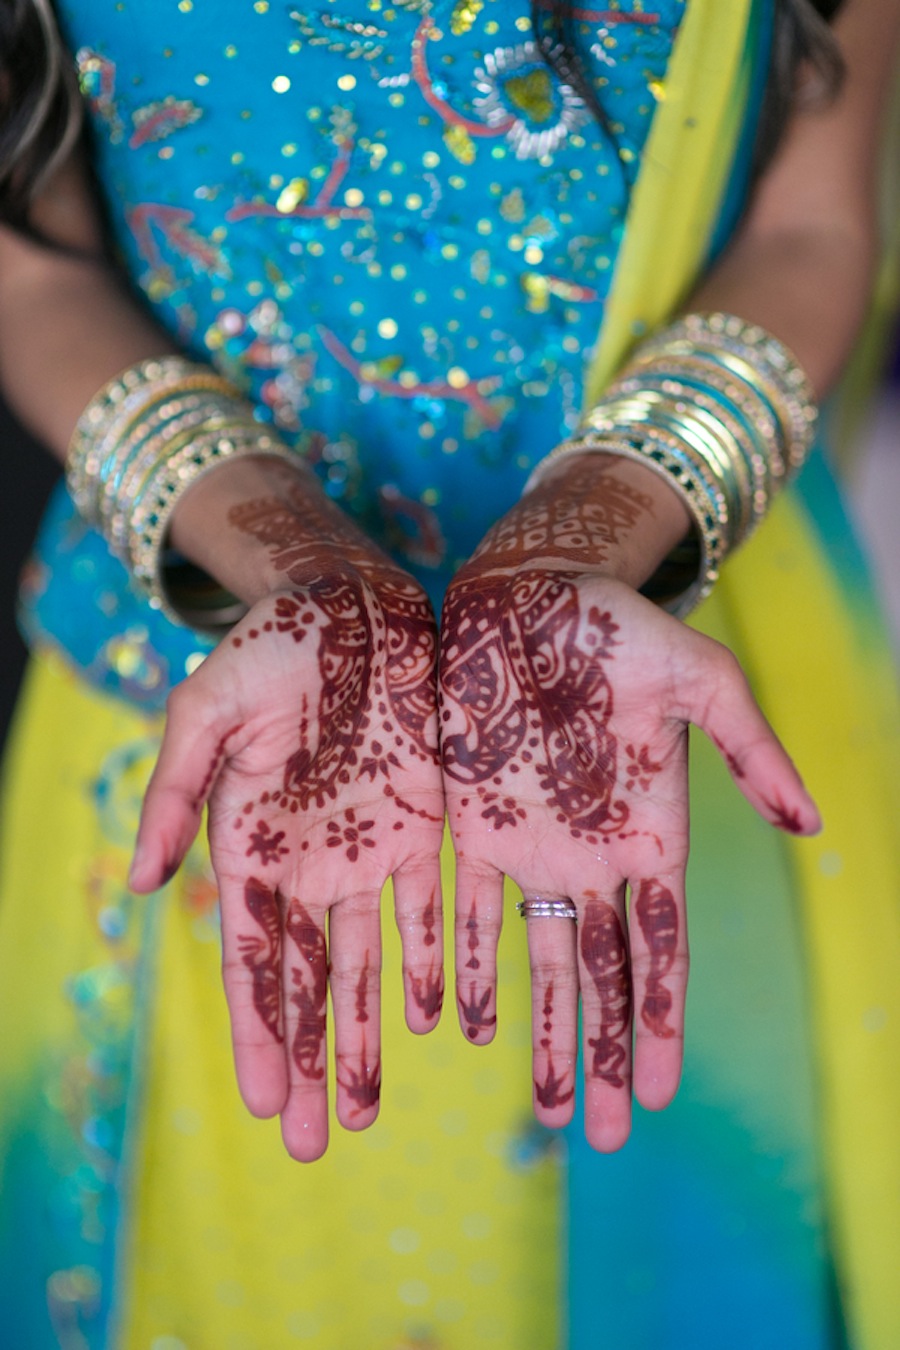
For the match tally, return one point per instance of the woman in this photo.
(412, 303)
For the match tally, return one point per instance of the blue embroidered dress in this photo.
(396, 230)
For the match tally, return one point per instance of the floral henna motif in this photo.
(269, 846)
(310, 990)
(475, 1012)
(261, 955)
(658, 919)
(354, 834)
(527, 671)
(605, 955)
(640, 769)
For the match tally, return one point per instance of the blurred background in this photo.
(875, 500)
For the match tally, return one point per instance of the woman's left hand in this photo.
(565, 703)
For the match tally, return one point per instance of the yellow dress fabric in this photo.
(429, 1208)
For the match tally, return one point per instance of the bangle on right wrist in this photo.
(723, 411)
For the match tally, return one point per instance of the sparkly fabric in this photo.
(253, 154)
(391, 225)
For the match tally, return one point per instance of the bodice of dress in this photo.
(390, 223)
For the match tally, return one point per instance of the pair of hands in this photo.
(563, 701)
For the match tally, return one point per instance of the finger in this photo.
(354, 941)
(304, 1120)
(721, 703)
(553, 954)
(657, 929)
(419, 913)
(604, 973)
(193, 750)
(479, 912)
(252, 955)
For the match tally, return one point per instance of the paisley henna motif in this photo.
(262, 955)
(376, 652)
(605, 955)
(658, 919)
(528, 671)
(310, 990)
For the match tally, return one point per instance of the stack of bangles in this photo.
(142, 441)
(715, 405)
(721, 410)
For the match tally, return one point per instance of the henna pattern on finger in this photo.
(364, 1087)
(261, 955)
(362, 992)
(428, 993)
(782, 817)
(310, 990)
(549, 1093)
(475, 1012)
(735, 768)
(428, 922)
(657, 916)
(214, 765)
(472, 941)
(605, 954)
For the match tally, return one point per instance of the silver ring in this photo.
(547, 909)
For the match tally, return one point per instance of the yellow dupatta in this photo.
(822, 673)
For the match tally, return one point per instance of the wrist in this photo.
(251, 519)
(645, 518)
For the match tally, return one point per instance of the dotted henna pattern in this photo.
(550, 1093)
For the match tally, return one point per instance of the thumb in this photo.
(195, 745)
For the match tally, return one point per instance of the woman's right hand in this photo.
(311, 733)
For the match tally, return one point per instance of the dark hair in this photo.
(41, 108)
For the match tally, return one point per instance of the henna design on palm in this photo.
(658, 920)
(268, 844)
(527, 670)
(375, 657)
(605, 955)
(262, 955)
